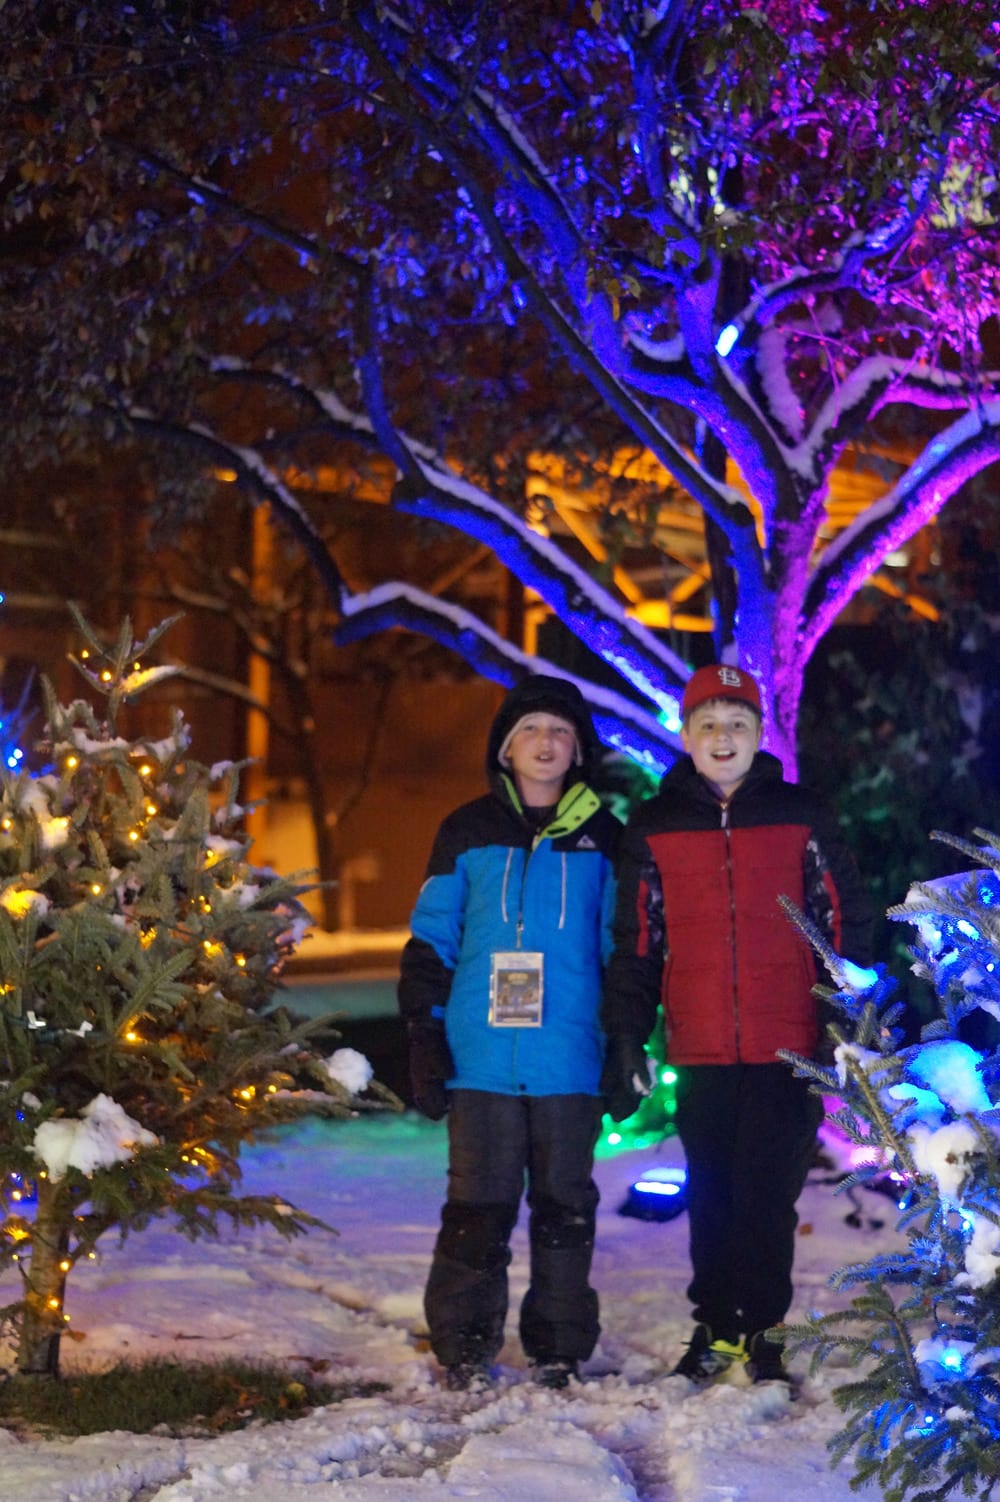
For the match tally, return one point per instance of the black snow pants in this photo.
(749, 1135)
(496, 1144)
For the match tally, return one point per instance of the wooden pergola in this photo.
(667, 588)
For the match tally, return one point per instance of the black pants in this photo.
(749, 1134)
(496, 1143)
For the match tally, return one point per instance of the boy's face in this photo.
(541, 753)
(722, 737)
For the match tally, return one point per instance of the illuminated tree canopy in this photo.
(458, 236)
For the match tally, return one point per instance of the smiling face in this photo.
(722, 737)
(541, 752)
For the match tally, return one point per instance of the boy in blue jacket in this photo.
(500, 990)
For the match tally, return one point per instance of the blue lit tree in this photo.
(923, 1326)
(477, 246)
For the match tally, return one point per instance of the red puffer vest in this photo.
(738, 977)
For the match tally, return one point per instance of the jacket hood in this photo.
(543, 694)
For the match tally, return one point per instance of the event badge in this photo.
(516, 989)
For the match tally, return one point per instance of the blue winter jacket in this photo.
(496, 884)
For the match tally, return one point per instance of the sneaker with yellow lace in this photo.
(706, 1359)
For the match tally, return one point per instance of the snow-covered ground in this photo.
(350, 1305)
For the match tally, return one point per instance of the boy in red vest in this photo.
(699, 930)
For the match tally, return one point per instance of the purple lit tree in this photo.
(468, 244)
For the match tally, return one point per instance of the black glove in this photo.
(430, 1065)
(625, 1080)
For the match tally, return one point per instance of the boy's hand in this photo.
(625, 1080)
(430, 1065)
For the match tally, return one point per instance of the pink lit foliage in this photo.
(464, 237)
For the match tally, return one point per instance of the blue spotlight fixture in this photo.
(657, 1194)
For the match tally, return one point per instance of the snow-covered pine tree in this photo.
(923, 1328)
(139, 952)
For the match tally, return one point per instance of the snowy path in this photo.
(350, 1305)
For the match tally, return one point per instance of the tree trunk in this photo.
(733, 292)
(45, 1283)
(720, 564)
(327, 859)
(781, 731)
(322, 816)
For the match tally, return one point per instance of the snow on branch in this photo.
(951, 458)
(873, 384)
(429, 487)
(257, 477)
(893, 231)
(583, 605)
(595, 347)
(753, 434)
(851, 403)
(339, 420)
(208, 195)
(619, 722)
(934, 389)
(432, 489)
(841, 272)
(473, 116)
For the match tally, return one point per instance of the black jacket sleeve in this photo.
(633, 977)
(429, 957)
(424, 983)
(836, 898)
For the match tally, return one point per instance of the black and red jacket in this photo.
(698, 927)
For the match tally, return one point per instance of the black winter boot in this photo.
(555, 1374)
(764, 1359)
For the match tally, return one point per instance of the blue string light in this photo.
(726, 340)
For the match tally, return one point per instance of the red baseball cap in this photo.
(719, 681)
